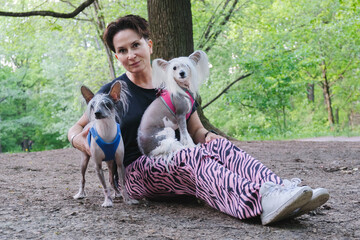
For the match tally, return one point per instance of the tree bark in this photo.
(171, 27)
(100, 23)
(327, 96)
(337, 116)
(0, 138)
(310, 92)
(350, 118)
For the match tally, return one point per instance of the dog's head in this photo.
(183, 72)
(111, 105)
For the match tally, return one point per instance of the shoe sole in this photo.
(313, 204)
(301, 198)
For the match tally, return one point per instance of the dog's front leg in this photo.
(185, 137)
(108, 201)
(84, 163)
(112, 168)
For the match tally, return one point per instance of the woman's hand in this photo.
(80, 141)
(77, 135)
(209, 136)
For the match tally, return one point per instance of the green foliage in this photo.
(44, 61)
(284, 43)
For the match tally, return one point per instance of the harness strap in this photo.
(109, 149)
(167, 99)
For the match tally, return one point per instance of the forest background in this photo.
(300, 58)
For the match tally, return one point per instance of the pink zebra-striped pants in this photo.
(218, 172)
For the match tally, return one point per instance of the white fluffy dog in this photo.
(179, 81)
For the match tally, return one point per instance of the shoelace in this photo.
(293, 183)
(288, 186)
(273, 188)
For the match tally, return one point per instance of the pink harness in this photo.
(167, 99)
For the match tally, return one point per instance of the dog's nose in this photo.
(182, 74)
(98, 115)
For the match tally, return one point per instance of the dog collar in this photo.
(166, 97)
(109, 149)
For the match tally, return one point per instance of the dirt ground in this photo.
(36, 199)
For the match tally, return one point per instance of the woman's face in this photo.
(132, 51)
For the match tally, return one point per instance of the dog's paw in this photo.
(117, 194)
(80, 195)
(131, 201)
(107, 203)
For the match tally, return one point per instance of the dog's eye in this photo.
(108, 105)
(174, 68)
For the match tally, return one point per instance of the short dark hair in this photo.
(133, 22)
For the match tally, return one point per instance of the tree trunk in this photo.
(337, 115)
(327, 97)
(100, 23)
(284, 119)
(310, 92)
(206, 123)
(350, 119)
(172, 34)
(171, 28)
(0, 122)
(110, 61)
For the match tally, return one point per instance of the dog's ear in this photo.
(87, 94)
(202, 64)
(161, 63)
(196, 56)
(159, 72)
(115, 91)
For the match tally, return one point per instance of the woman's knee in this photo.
(220, 143)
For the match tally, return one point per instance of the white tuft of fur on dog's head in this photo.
(182, 72)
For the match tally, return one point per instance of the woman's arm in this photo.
(198, 132)
(77, 135)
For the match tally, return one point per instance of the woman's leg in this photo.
(196, 172)
(238, 161)
(151, 178)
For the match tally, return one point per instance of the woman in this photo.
(217, 172)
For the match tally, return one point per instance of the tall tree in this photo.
(100, 22)
(171, 27)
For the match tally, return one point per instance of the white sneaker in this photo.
(279, 202)
(319, 197)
